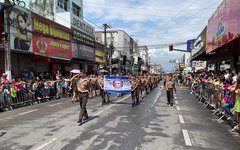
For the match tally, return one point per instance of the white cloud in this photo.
(154, 21)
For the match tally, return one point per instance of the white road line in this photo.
(159, 93)
(181, 119)
(46, 144)
(186, 137)
(176, 102)
(111, 106)
(27, 112)
(5, 119)
(54, 104)
(178, 108)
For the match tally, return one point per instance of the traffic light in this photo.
(171, 47)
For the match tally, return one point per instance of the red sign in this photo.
(50, 38)
(224, 26)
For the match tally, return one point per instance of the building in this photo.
(223, 37)
(143, 50)
(123, 49)
(155, 69)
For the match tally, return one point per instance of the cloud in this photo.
(154, 22)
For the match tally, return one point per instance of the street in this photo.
(151, 125)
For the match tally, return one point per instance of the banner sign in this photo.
(224, 25)
(50, 39)
(21, 36)
(116, 85)
(83, 38)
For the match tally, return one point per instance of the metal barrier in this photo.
(17, 95)
(205, 96)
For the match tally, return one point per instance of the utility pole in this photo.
(6, 35)
(105, 26)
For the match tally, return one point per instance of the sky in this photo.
(153, 22)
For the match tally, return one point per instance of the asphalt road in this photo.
(152, 125)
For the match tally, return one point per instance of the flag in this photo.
(116, 85)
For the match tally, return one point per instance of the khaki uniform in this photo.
(83, 89)
(135, 91)
(102, 92)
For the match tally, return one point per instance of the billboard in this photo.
(44, 8)
(50, 38)
(224, 25)
(20, 29)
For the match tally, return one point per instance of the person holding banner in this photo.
(102, 92)
(83, 88)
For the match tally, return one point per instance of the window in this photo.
(76, 9)
(63, 4)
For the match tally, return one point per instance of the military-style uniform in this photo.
(135, 91)
(83, 88)
(102, 92)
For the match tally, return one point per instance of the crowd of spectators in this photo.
(220, 91)
(32, 87)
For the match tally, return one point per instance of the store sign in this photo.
(21, 36)
(224, 26)
(50, 38)
(83, 26)
(197, 64)
(83, 38)
(200, 42)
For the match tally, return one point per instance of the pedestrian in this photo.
(83, 90)
(170, 86)
(134, 90)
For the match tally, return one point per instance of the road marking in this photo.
(159, 93)
(181, 119)
(111, 105)
(178, 108)
(176, 102)
(5, 119)
(186, 137)
(46, 144)
(54, 104)
(24, 113)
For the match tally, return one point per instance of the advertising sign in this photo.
(82, 38)
(50, 38)
(44, 8)
(224, 25)
(83, 26)
(116, 85)
(200, 42)
(20, 29)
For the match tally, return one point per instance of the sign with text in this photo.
(82, 38)
(83, 26)
(224, 25)
(50, 38)
(113, 84)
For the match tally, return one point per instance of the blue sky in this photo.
(154, 22)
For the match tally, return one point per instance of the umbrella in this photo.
(75, 71)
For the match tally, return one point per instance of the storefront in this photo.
(52, 42)
(223, 37)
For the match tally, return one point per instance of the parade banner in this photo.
(50, 38)
(116, 85)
